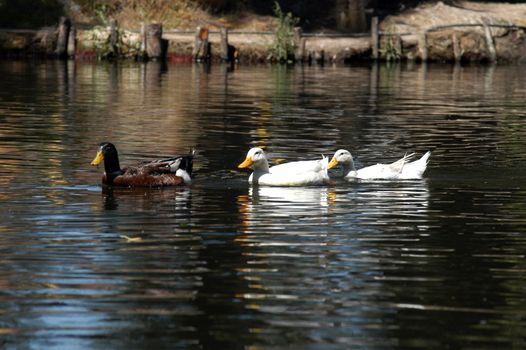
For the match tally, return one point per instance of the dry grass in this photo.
(171, 14)
(180, 14)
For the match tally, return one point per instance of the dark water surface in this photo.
(437, 263)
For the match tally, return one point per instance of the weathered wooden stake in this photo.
(422, 45)
(302, 48)
(374, 38)
(224, 45)
(310, 57)
(62, 39)
(457, 51)
(72, 42)
(299, 44)
(114, 38)
(489, 42)
(398, 44)
(154, 33)
(320, 57)
(142, 52)
(200, 51)
(197, 42)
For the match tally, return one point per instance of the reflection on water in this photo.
(275, 208)
(308, 196)
(381, 202)
(410, 264)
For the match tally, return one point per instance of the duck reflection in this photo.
(381, 205)
(285, 196)
(356, 204)
(284, 208)
(337, 234)
(145, 198)
(411, 195)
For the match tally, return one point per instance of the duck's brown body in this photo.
(142, 177)
(148, 174)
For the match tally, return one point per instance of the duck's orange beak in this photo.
(98, 158)
(246, 164)
(332, 163)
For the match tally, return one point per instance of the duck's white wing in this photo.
(299, 167)
(377, 171)
(301, 173)
(381, 171)
(402, 169)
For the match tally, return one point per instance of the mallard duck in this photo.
(300, 173)
(402, 169)
(157, 173)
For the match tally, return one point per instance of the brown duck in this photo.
(166, 172)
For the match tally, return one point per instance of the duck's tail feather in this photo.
(420, 165)
(184, 162)
(425, 157)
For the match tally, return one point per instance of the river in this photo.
(431, 263)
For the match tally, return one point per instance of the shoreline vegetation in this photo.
(434, 31)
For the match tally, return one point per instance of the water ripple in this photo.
(414, 264)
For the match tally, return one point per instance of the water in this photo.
(436, 263)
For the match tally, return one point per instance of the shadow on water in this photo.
(411, 264)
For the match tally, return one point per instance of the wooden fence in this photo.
(153, 41)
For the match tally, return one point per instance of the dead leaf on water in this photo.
(131, 239)
(9, 330)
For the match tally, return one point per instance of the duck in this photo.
(402, 169)
(157, 173)
(298, 173)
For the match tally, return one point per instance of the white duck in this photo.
(300, 173)
(402, 169)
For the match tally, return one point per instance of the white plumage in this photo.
(402, 169)
(300, 173)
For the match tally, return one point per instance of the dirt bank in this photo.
(435, 31)
(439, 20)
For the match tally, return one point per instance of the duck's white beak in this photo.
(332, 163)
(247, 163)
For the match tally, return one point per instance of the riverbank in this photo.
(472, 32)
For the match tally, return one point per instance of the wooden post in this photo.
(303, 45)
(457, 51)
(320, 57)
(201, 47)
(374, 38)
(142, 52)
(224, 45)
(398, 45)
(299, 45)
(489, 42)
(422, 45)
(197, 43)
(114, 38)
(62, 39)
(154, 33)
(72, 42)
